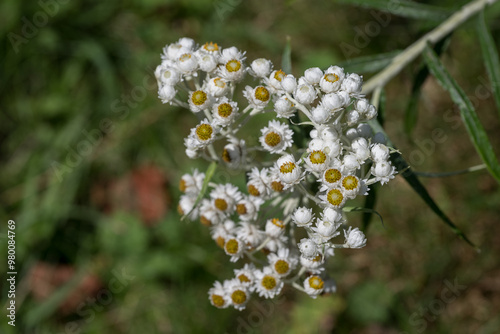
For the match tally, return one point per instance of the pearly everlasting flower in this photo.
(267, 283)
(218, 296)
(169, 76)
(232, 67)
(204, 133)
(350, 185)
(234, 153)
(191, 184)
(289, 172)
(238, 294)
(276, 137)
(320, 115)
(354, 238)
(274, 81)
(234, 247)
(314, 285)
(260, 68)
(303, 216)
(246, 274)
(250, 234)
(308, 248)
(217, 87)
(334, 198)
(313, 75)
(224, 112)
(284, 108)
(332, 79)
(186, 205)
(289, 83)
(275, 227)
(379, 153)
(166, 93)
(199, 100)
(207, 62)
(352, 84)
(326, 230)
(317, 161)
(305, 94)
(257, 97)
(383, 172)
(187, 63)
(282, 262)
(248, 208)
(257, 181)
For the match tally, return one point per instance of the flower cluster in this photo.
(288, 221)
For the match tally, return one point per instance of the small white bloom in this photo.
(313, 75)
(246, 274)
(284, 108)
(314, 286)
(274, 82)
(317, 161)
(353, 117)
(166, 93)
(224, 111)
(350, 186)
(232, 67)
(207, 62)
(217, 87)
(354, 238)
(303, 216)
(352, 84)
(257, 97)
(332, 102)
(283, 262)
(257, 182)
(187, 63)
(218, 296)
(225, 197)
(204, 133)
(350, 162)
(199, 100)
(186, 205)
(364, 130)
(331, 215)
(332, 79)
(234, 153)
(383, 171)
(305, 94)
(289, 172)
(334, 198)
(267, 283)
(308, 248)
(169, 76)
(248, 208)
(276, 137)
(250, 234)
(275, 227)
(326, 230)
(380, 153)
(331, 177)
(289, 83)
(191, 184)
(234, 247)
(361, 149)
(260, 68)
(320, 115)
(238, 294)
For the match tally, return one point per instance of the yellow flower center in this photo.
(252, 190)
(243, 278)
(272, 139)
(317, 258)
(224, 110)
(199, 97)
(287, 167)
(185, 57)
(204, 131)
(220, 204)
(282, 267)
(211, 46)
(225, 156)
(232, 246)
(350, 182)
(317, 157)
(182, 185)
(316, 282)
(262, 94)
(241, 209)
(278, 222)
(217, 300)
(167, 74)
(205, 221)
(233, 65)
(220, 241)
(277, 186)
(332, 175)
(335, 197)
(331, 77)
(269, 282)
(239, 297)
(219, 83)
(279, 75)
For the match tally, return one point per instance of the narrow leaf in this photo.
(410, 177)
(286, 59)
(490, 55)
(208, 176)
(404, 8)
(370, 201)
(411, 113)
(369, 64)
(467, 112)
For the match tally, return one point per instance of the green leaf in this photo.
(208, 176)
(286, 59)
(411, 113)
(404, 169)
(467, 112)
(404, 8)
(490, 55)
(369, 64)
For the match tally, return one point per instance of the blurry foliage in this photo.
(80, 79)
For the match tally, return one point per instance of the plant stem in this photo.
(434, 36)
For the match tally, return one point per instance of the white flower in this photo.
(238, 294)
(186, 205)
(361, 149)
(352, 84)
(354, 238)
(383, 171)
(276, 137)
(246, 274)
(313, 75)
(380, 153)
(308, 248)
(209, 216)
(350, 162)
(284, 108)
(283, 262)
(199, 100)
(314, 286)
(317, 161)
(275, 227)
(222, 232)
(257, 181)
(313, 264)
(192, 184)
(218, 296)
(289, 83)
(274, 81)
(207, 62)
(267, 283)
(260, 68)
(331, 177)
(232, 67)
(166, 93)
(332, 80)
(169, 76)
(224, 112)
(211, 49)
(204, 133)
(289, 172)
(187, 63)
(225, 197)
(217, 87)
(257, 97)
(303, 216)
(326, 230)
(320, 115)
(234, 153)
(331, 215)
(335, 198)
(305, 94)
(250, 234)
(234, 247)
(248, 208)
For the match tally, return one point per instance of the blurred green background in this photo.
(91, 160)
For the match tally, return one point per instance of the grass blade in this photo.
(490, 55)
(404, 8)
(286, 58)
(467, 112)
